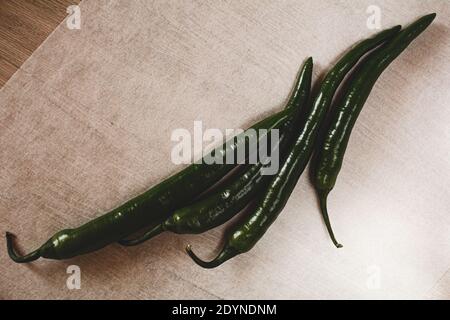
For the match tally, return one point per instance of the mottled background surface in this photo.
(85, 124)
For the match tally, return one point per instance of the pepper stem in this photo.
(223, 256)
(17, 258)
(323, 195)
(146, 236)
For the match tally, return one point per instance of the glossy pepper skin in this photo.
(212, 211)
(224, 204)
(246, 234)
(149, 208)
(330, 153)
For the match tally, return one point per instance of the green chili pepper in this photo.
(149, 208)
(226, 202)
(330, 153)
(246, 234)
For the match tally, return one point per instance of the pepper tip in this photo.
(12, 252)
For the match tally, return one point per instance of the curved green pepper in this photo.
(330, 153)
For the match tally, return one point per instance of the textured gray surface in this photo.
(85, 124)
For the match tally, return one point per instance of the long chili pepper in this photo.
(149, 208)
(246, 234)
(330, 153)
(236, 195)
